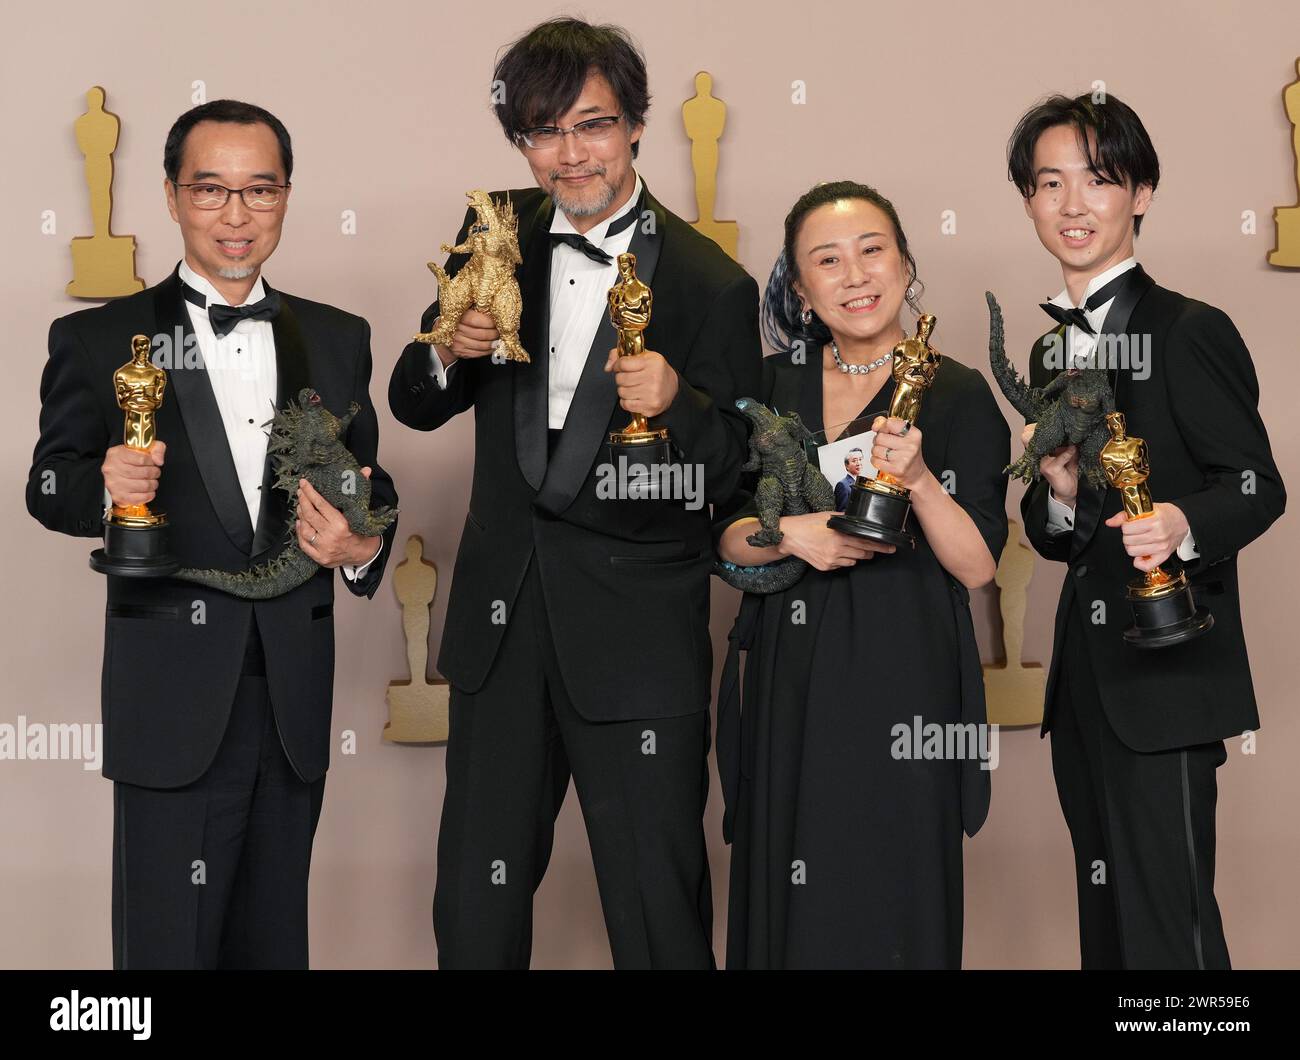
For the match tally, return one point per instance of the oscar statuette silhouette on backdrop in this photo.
(1287, 218)
(417, 708)
(103, 265)
(705, 116)
(1014, 689)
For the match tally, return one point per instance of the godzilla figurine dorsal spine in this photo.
(1069, 410)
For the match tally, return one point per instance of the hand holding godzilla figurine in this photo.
(305, 443)
(1070, 410)
(787, 485)
(487, 281)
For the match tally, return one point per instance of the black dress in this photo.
(846, 843)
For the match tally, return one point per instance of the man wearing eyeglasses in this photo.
(577, 633)
(216, 710)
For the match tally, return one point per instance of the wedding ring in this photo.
(888, 453)
(314, 536)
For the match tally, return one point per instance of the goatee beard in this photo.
(236, 272)
(581, 208)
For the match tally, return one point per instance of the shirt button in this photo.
(573, 282)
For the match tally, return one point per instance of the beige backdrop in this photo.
(387, 104)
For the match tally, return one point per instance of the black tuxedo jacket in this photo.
(1210, 456)
(173, 651)
(626, 581)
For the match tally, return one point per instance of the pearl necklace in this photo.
(858, 369)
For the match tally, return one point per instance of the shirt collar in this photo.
(596, 234)
(1095, 284)
(200, 284)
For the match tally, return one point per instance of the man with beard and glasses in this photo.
(577, 633)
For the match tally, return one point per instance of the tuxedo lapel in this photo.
(530, 398)
(1089, 502)
(292, 373)
(587, 424)
(199, 413)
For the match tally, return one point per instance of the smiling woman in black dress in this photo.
(847, 848)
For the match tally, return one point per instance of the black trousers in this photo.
(214, 874)
(1142, 825)
(512, 748)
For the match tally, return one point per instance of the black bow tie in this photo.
(223, 318)
(1075, 314)
(586, 246)
(583, 244)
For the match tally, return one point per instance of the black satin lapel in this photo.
(530, 379)
(810, 376)
(292, 373)
(587, 425)
(1090, 501)
(1117, 317)
(198, 409)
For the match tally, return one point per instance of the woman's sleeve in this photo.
(740, 505)
(979, 448)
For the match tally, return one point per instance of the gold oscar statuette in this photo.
(103, 265)
(135, 538)
(878, 508)
(638, 447)
(1164, 611)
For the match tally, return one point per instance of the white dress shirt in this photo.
(579, 300)
(241, 370)
(1080, 350)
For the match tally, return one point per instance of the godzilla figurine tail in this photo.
(284, 572)
(1021, 395)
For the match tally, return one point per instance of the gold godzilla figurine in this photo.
(487, 281)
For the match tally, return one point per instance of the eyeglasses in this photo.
(587, 132)
(214, 196)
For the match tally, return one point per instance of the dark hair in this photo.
(1125, 154)
(544, 70)
(782, 325)
(226, 110)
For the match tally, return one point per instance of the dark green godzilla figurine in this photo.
(787, 485)
(1070, 410)
(304, 443)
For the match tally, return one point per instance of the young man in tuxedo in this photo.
(216, 709)
(577, 635)
(1138, 734)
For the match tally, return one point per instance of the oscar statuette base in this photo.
(877, 512)
(640, 455)
(1165, 615)
(134, 551)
